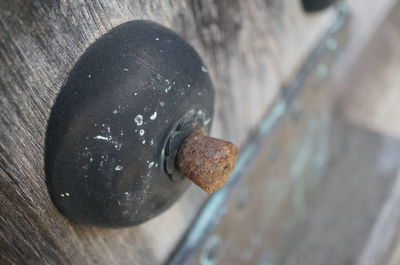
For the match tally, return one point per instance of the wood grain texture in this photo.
(250, 47)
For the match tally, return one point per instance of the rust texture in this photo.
(206, 161)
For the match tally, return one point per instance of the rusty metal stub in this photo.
(206, 161)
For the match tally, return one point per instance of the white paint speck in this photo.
(100, 137)
(144, 141)
(118, 168)
(157, 39)
(135, 94)
(67, 194)
(89, 76)
(117, 146)
(162, 104)
(62, 195)
(151, 164)
(141, 132)
(139, 120)
(199, 93)
(204, 69)
(126, 69)
(151, 142)
(188, 85)
(115, 111)
(154, 116)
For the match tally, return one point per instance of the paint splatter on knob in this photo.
(206, 161)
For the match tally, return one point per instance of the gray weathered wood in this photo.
(250, 47)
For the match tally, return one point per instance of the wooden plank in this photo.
(374, 80)
(354, 218)
(250, 48)
(385, 232)
(367, 16)
(362, 173)
(394, 257)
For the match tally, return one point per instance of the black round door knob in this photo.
(118, 124)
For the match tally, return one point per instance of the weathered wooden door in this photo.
(252, 50)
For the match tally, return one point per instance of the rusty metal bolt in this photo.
(206, 161)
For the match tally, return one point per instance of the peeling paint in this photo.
(139, 120)
(100, 137)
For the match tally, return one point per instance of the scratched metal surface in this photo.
(250, 220)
